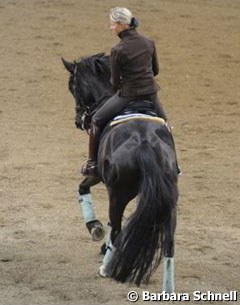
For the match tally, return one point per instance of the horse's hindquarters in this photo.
(138, 159)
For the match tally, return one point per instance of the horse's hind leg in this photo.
(168, 264)
(117, 204)
(93, 225)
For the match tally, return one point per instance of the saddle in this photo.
(139, 106)
(137, 109)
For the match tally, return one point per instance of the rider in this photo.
(134, 64)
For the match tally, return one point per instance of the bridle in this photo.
(88, 111)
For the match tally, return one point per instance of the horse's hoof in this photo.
(102, 272)
(98, 233)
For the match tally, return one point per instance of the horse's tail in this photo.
(140, 245)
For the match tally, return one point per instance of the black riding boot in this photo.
(89, 168)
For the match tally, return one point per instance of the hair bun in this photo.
(134, 22)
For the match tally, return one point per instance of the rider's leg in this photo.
(109, 109)
(158, 106)
(90, 167)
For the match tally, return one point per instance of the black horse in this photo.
(136, 158)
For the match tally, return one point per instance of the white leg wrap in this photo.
(87, 207)
(106, 260)
(168, 275)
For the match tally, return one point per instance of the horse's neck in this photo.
(101, 93)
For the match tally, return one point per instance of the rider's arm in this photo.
(115, 70)
(155, 65)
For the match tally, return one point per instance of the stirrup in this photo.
(89, 168)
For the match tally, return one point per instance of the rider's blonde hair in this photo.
(121, 14)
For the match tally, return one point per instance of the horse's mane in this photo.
(98, 65)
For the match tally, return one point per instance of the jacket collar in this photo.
(127, 33)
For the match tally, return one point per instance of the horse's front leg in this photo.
(168, 264)
(93, 225)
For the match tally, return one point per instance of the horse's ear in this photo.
(68, 65)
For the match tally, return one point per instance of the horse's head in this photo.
(89, 83)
